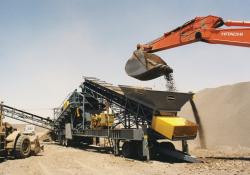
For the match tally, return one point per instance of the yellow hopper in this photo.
(174, 128)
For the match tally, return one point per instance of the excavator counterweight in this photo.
(144, 65)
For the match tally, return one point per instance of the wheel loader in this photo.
(15, 143)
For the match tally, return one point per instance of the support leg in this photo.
(185, 146)
(116, 147)
(145, 145)
(145, 148)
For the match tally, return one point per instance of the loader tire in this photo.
(23, 147)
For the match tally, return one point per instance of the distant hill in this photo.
(225, 114)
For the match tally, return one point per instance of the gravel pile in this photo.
(224, 113)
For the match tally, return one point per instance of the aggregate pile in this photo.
(224, 113)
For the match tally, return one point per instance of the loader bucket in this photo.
(146, 66)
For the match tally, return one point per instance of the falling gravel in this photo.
(170, 83)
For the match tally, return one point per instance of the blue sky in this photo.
(47, 46)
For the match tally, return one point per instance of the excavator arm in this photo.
(144, 65)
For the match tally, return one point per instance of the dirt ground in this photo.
(61, 160)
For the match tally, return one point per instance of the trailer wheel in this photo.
(3, 155)
(88, 140)
(60, 139)
(23, 147)
(126, 150)
(153, 153)
(136, 150)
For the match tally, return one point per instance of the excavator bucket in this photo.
(146, 66)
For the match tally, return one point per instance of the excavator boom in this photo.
(144, 65)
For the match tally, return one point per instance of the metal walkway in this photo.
(26, 117)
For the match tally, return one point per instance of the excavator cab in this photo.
(146, 66)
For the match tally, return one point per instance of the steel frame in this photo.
(129, 113)
(120, 134)
(26, 117)
(134, 116)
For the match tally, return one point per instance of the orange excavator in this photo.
(144, 65)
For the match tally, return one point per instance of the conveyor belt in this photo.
(100, 89)
(26, 117)
(140, 101)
